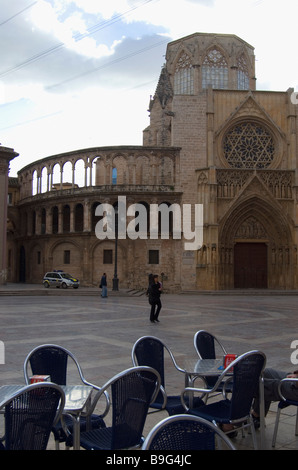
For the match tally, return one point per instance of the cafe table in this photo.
(77, 400)
(195, 368)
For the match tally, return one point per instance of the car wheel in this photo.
(76, 287)
(46, 284)
(64, 285)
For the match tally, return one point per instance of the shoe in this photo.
(230, 433)
(152, 321)
(156, 320)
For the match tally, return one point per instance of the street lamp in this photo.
(115, 278)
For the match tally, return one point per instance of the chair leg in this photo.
(253, 433)
(276, 427)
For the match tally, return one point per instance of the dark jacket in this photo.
(154, 292)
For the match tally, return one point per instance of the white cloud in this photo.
(106, 8)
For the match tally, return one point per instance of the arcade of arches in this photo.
(213, 139)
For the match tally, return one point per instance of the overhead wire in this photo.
(107, 64)
(77, 37)
(90, 31)
(19, 13)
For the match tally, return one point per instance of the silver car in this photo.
(60, 279)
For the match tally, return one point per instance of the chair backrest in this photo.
(205, 342)
(150, 351)
(132, 392)
(49, 359)
(184, 432)
(30, 415)
(247, 370)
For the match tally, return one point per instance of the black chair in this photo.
(185, 432)
(247, 370)
(30, 414)
(54, 360)
(150, 351)
(131, 391)
(284, 403)
(208, 346)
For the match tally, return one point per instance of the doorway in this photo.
(250, 266)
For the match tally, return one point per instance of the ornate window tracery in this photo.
(248, 145)
(243, 75)
(215, 70)
(183, 80)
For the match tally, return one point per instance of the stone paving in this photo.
(101, 333)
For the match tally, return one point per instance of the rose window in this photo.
(249, 145)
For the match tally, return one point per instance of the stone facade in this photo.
(212, 140)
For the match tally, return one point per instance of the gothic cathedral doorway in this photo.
(251, 265)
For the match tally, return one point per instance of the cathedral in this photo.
(213, 140)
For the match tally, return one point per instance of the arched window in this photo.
(183, 78)
(79, 218)
(95, 218)
(44, 180)
(55, 217)
(79, 173)
(43, 221)
(34, 183)
(215, 70)
(114, 176)
(242, 75)
(33, 223)
(66, 219)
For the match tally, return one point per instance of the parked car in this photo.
(60, 279)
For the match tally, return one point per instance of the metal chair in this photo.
(207, 346)
(30, 415)
(284, 403)
(132, 391)
(185, 432)
(53, 360)
(247, 370)
(150, 351)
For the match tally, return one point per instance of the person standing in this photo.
(154, 299)
(104, 285)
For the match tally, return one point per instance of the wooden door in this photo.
(250, 265)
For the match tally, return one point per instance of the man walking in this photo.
(154, 299)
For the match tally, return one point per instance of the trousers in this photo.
(155, 309)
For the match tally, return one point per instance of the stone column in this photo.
(6, 154)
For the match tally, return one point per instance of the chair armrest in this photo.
(164, 396)
(100, 392)
(293, 380)
(203, 391)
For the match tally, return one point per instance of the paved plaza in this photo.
(101, 333)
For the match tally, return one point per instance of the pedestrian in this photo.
(104, 286)
(154, 291)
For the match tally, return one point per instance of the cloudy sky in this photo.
(79, 73)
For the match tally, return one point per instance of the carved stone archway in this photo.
(257, 221)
